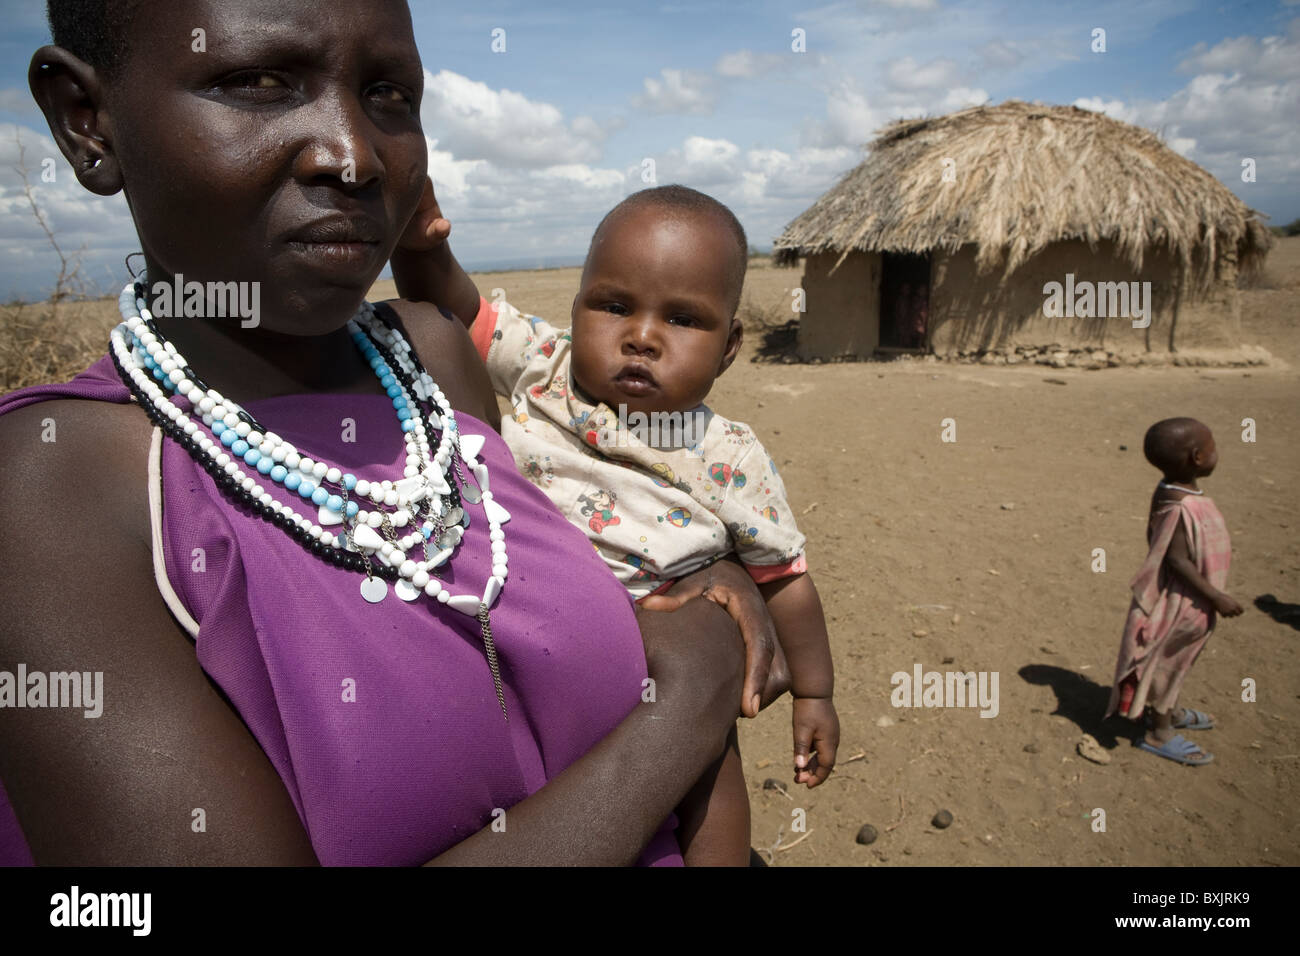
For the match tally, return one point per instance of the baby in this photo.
(1176, 594)
(610, 422)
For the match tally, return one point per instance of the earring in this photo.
(91, 162)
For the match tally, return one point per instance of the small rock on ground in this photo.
(1089, 749)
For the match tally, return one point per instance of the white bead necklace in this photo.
(1188, 491)
(151, 367)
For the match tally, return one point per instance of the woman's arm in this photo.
(727, 584)
(168, 774)
(604, 808)
(122, 789)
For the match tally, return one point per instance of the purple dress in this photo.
(420, 758)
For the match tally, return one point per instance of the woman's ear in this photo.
(735, 335)
(71, 95)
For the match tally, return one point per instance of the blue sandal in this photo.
(1194, 720)
(1180, 750)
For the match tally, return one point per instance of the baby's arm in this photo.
(796, 611)
(1179, 559)
(424, 268)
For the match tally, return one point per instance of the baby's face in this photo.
(653, 321)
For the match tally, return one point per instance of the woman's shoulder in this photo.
(444, 348)
(64, 448)
(75, 472)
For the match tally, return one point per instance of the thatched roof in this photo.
(1027, 175)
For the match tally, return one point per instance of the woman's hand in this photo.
(728, 585)
(604, 808)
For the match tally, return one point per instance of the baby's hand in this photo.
(428, 229)
(1226, 606)
(816, 728)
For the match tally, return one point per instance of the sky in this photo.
(763, 104)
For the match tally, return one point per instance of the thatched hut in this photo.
(950, 236)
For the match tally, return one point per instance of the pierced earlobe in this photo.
(99, 174)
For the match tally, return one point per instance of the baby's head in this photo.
(654, 323)
(1182, 448)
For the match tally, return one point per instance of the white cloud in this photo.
(678, 91)
(1273, 56)
(774, 174)
(963, 96)
(755, 179)
(851, 119)
(747, 64)
(96, 229)
(907, 74)
(1115, 109)
(474, 121)
(450, 175)
(708, 162)
(1220, 118)
(1001, 55)
(1230, 117)
(16, 99)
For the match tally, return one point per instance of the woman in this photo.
(311, 725)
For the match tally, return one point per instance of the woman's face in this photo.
(287, 152)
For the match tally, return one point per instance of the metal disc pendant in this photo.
(447, 539)
(471, 494)
(374, 589)
(454, 516)
(405, 590)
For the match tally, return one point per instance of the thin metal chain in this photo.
(485, 625)
(388, 531)
(347, 533)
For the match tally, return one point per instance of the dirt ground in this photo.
(976, 556)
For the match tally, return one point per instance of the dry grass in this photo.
(48, 342)
(1028, 175)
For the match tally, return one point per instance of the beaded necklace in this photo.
(425, 497)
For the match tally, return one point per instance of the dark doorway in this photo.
(905, 303)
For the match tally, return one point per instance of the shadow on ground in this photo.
(1279, 611)
(778, 342)
(1083, 701)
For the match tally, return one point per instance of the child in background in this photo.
(1176, 594)
(654, 324)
